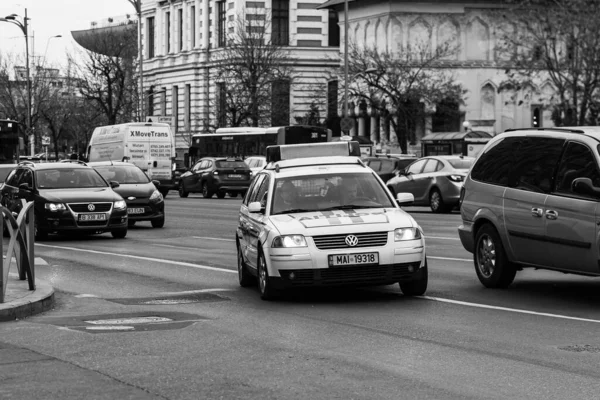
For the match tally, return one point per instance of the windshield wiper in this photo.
(294, 210)
(347, 207)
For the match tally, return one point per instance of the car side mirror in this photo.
(405, 199)
(585, 186)
(156, 183)
(255, 207)
(114, 184)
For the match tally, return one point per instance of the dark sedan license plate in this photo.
(92, 217)
(354, 259)
(135, 211)
(235, 176)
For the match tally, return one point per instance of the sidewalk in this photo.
(20, 302)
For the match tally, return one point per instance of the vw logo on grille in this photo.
(91, 207)
(351, 240)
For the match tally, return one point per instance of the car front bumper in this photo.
(65, 221)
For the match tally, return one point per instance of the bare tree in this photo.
(249, 70)
(404, 82)
(559, 41)
(107, 75)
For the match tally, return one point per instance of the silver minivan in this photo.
(532, 200)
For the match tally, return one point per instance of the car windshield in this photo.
(231, 164)
(326, 192)
(461, 163)
(63, 178)
(124, 174)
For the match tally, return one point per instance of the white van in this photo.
(150, 146)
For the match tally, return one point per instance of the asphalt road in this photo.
(160, 315)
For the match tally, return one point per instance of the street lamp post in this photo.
(23, 26)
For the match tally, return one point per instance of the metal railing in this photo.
(21, 231)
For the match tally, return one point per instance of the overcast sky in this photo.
(54, 17)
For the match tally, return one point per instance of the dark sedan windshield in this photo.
(63, 178)
(124, 174)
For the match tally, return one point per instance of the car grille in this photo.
(351, 275)
(370, 239)
(83, 207)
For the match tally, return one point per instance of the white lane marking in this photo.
(450, 259)
(514, 310)
(213, 238)
(441, 238)
(85, 296)
(184, 264)
(174, 247)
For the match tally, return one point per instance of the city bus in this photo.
(243, 142)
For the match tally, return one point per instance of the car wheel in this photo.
(264, 281)
(221, 195)
(206, 193)
(158, 223)
(243, 275)
(39, 234)
(416, 287)
(492, 266)
(119, 233)
(436, 202)
(182, 191)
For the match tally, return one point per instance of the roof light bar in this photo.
(292, 151)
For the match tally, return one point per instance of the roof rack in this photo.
(569, 130)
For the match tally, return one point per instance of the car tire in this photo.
(119, 233)
(265, 287)
(436, 202)
(158, 222)
(492, 266)
(417, 287)
(206, 193)
(182, 191)
(39, 234)
(221, 195)
(244, 276)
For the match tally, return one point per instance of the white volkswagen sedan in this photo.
(317, 216)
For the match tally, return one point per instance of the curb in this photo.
(41, 299)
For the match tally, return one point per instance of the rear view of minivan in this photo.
(532, 200)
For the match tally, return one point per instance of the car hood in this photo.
(142, 190)
(80, 195)
(328, 222)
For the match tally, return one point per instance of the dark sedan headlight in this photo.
(156, 197)
(55, 207)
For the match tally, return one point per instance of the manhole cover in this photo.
(580, 348)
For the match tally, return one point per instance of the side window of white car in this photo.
(416, 167)
(253, 196)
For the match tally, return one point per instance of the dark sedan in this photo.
(215, 175)
(143, 197)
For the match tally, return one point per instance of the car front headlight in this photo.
(156, 197)
(401, 234)
(289, 241)
(120, 205)
(55, 207)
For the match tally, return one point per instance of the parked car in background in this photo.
(386, 165)
(434, 181)
(256, 163)
(143, 197)
(68, 197)
(216, 175)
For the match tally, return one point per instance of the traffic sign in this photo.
(45, 140)
(160, 119)
(347, 124)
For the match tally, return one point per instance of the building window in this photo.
(175, 108)
(187, 117)
(222, 104)
(180, 26)
(332, 98)
(168, 27)
(150, 106)
(281, 22)
(334, 29)
(221, 21)
(193, 26)
(150, 34)
(163, 102)
(280, 103)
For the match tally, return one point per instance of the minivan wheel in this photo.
(493, 268)
(182, 191)
(158, 222)
(221, 195)
(436, 202)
